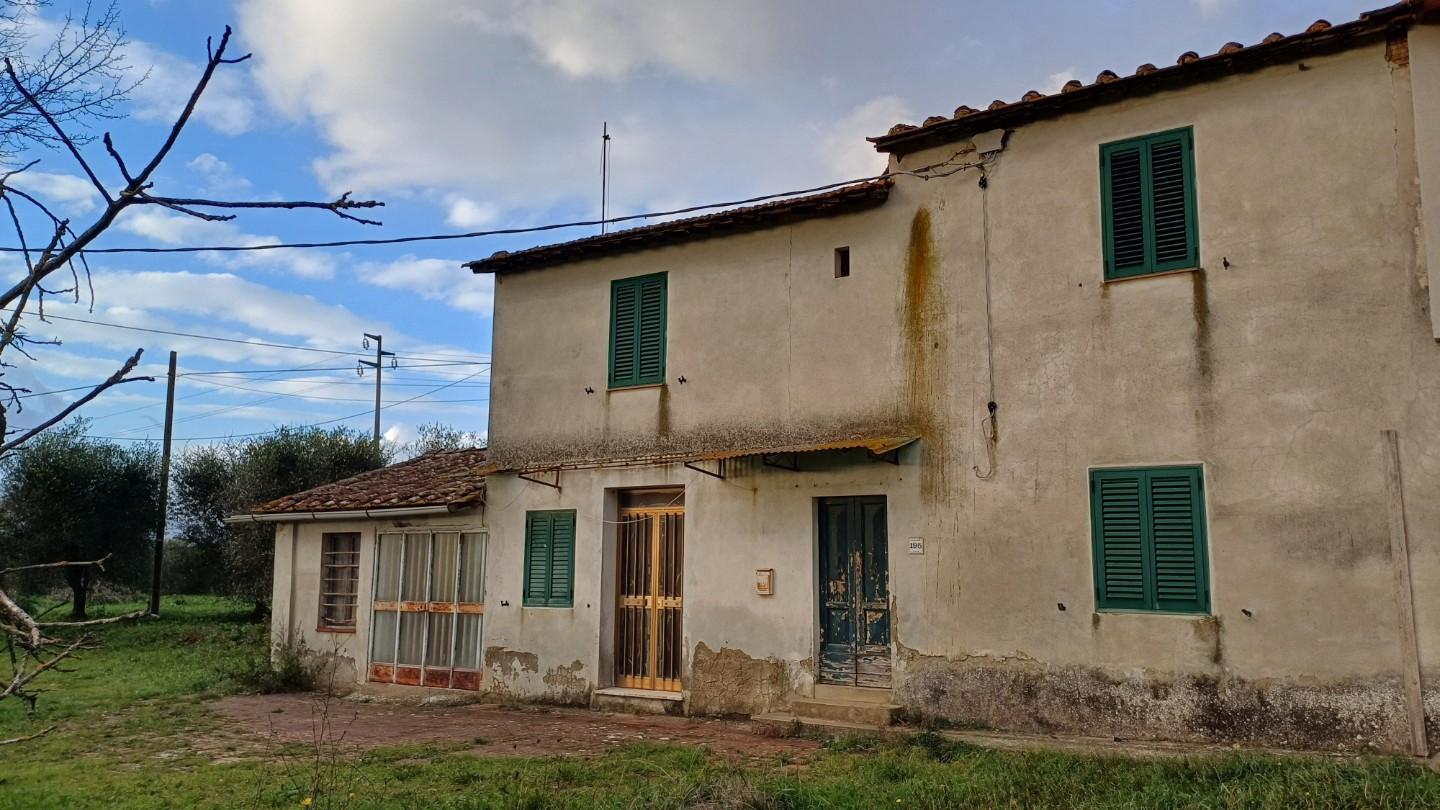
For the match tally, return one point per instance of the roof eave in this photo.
(861, 196)
(349, 514)
(1206, 68)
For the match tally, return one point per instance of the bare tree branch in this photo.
(338, 207)
(37, 735)
(100, 563)
(115, 379)
(55, 125)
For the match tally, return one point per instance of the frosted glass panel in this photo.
(472, 567)
(437, 649)
(443, 566)
(412, 638)
(467, 654)
(417, 567)
(382, 645)
(387, 575)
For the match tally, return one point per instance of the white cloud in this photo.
(1212, 8)
(217, 176)
(176, 229)
(74, 193)
(1058, 79)
(466, 213)
(441, 280)
(503, 101)
(228, 105)
(610, 38)
(847, 153)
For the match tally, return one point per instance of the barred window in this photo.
(339, 580)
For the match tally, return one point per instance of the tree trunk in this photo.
(79, 581)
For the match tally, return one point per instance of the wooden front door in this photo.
(854, 592)
(649, 566)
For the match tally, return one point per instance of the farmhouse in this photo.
(1112, 411)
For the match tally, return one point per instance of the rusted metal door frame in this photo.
(660, 618)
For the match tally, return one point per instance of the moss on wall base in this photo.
(1355, 715)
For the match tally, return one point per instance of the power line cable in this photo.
(329, 368)
(260, 343)
(400, 240)
(314, 396)
(366, 412)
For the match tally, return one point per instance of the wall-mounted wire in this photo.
(989, 426)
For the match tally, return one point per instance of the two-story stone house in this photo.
(1075, 420)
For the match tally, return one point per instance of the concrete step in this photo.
(637, 701)
(786, 723)
(846, 711)
(852, 694)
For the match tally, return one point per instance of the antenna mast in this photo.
(604, 173)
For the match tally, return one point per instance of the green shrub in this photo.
(288, 668)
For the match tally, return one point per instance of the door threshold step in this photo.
(848, 711)
(854, 694)
(637, 701)
(632, 692)
(784, 722)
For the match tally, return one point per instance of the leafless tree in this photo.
(75, 67)
(59, 253)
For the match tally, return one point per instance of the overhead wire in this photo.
(438, 356)
(320, 423)
(923, 171)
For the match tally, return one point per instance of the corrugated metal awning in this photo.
(879, 445)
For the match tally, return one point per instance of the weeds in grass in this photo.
(286, 667)
(325, 774)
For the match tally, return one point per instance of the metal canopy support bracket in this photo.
(774, 460)
(542, 482)
(888, 456)
(718, 472)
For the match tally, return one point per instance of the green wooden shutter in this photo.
(1150, 540)
(549, 559)
(1177, 530)
(537, 558)
(1118, 513)
(637, 330)
(1124, 210)
(651, 342)
(562, 559)
(1148, 204)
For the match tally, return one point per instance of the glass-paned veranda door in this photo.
(429, 609)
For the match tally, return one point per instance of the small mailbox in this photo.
(765, 581)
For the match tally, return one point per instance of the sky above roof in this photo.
(463, 115)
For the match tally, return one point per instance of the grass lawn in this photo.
(134, 731)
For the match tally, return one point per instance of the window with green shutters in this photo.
(637, 331)
(1150, 543)
(1148, 203)
(549, 558)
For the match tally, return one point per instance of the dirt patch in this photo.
(499, 731)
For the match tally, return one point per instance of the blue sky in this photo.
(475, 115)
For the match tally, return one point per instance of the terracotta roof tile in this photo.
(442, 478)
(1320, 37)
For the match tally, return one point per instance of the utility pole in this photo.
(378, 365)
(164, 490)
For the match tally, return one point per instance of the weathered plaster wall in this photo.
(1423, 52)
(744, 652)
(295, 599)
(1275, 365)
